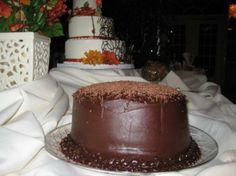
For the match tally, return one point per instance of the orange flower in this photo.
(19, 3)
(99, 2)
(25, 2)
(232, 10)
(5, 10)
(92, 57)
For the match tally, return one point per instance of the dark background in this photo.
(137, 22)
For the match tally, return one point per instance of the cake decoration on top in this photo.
(94, 57)
(87, 7)
(131, 90)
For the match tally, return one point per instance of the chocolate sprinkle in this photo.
(79, 154)
(143, 92)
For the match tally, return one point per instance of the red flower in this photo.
(57, 11)
(16, 27)
(5, 10)
(110, 58)
(99, 2)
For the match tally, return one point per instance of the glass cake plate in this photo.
(206, 143)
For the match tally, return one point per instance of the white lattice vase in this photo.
(24, 57)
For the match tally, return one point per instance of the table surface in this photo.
(31, 111)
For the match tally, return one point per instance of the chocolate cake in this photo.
(130, 126)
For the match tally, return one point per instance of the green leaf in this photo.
(55, 30)
(52, 3)
(4, 25)
(37, 3)
(40, 19)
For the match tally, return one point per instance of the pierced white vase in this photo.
(24, 57)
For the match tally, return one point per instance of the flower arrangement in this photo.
(94, 57)
(40, 16)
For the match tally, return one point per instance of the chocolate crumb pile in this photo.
(81, 155)
(143, 92)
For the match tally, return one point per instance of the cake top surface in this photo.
(143, 92)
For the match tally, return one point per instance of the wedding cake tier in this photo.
(92, 39)
(87, 26)
(76, 48)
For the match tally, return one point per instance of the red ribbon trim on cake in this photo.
(72, 60)
(93, 37)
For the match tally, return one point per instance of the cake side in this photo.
(149, 119)
(91, 27)
(131, 129)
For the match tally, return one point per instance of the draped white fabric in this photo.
(30, 111)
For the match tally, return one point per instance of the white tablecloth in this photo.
(30, 111)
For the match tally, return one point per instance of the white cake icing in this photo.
(75, 48)
(84, 26)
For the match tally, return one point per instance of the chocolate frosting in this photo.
(123, 126)
(132, 120)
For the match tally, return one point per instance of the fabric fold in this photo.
(20, 141)
(11, 100)
(173, 80)
(27, 113)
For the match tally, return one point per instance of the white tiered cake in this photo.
(92, 42)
